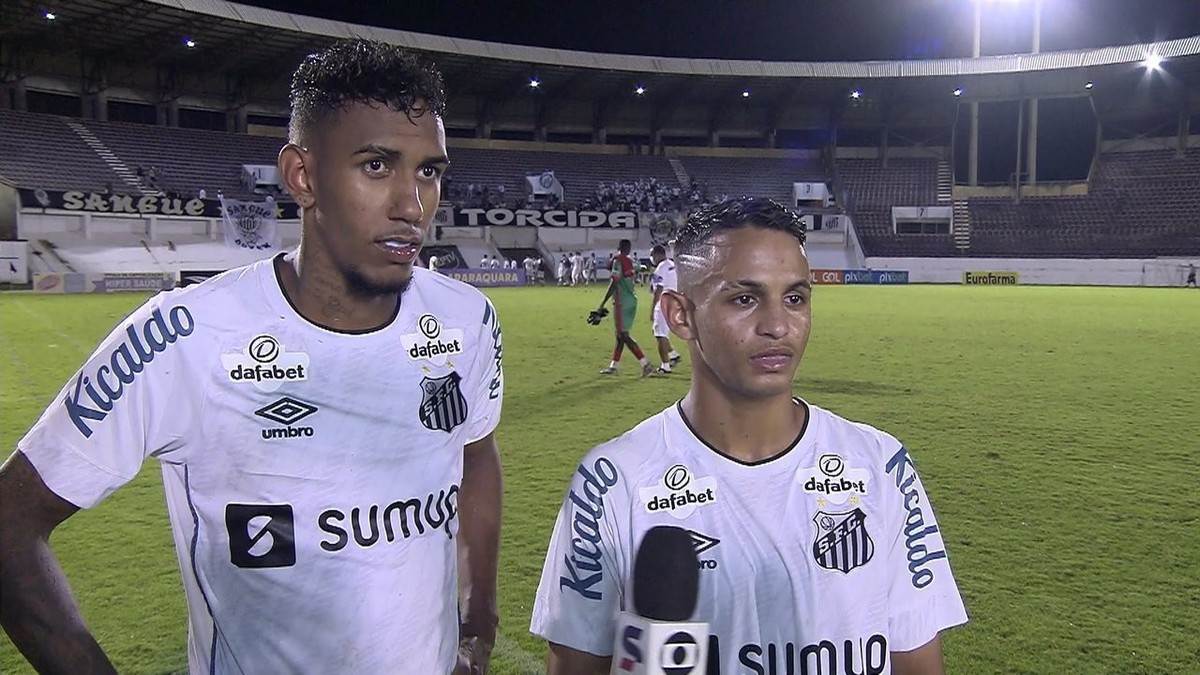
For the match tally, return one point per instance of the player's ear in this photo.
(675, 310)
(293, 168)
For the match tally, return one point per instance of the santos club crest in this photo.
(842, 541)
(442, 404)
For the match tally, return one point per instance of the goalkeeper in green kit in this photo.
(620, 289)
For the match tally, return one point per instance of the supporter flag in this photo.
(544, 184)
(249, 224)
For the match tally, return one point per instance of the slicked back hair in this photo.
(362, 71)
(733, 214)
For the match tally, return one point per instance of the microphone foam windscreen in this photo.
(666, 575)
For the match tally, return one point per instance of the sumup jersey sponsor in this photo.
(265, 364)
(680, 494)
(859, 656)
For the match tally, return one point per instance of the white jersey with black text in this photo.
(824, 559)
(312, 476)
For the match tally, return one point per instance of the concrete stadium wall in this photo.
(1044, 271)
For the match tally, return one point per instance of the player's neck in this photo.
(748, 430)
(321, 295)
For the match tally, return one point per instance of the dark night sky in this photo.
(800, 30)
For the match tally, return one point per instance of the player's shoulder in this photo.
(854, 439)
(628, 454)
(450, 297)
(211, 302)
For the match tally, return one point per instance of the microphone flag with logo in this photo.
(658, 636)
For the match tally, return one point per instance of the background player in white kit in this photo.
(662, 279)
(324, 420)
(818, 548)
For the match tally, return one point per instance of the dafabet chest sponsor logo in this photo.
(266, 364)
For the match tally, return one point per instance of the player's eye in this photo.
(743, 300)
(795, 299)
(430, 172)
(375, 167)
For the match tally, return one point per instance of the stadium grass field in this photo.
(1056, 430)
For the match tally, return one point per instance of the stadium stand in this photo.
(42, 151)
(1141, 204)
(763, 177)
(873, 189)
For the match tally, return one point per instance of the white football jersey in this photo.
(312, 476)
(822, 560)
(664, 276)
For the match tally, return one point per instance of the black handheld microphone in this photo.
(658, 638)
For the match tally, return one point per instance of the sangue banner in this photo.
(535, 218)
(145, 205)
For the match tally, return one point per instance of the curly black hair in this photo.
(733, 214)
(362, 71)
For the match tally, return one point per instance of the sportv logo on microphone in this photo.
(680, 494)
(679, 654)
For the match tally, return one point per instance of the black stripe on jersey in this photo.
(782, 453)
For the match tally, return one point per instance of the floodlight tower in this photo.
(973, 149)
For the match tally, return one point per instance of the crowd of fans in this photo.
(648, 195)
(643, 195)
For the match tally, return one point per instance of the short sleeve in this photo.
(923, 598)
(128, 402)
(488, 392)
(616, 269)
(582, 586)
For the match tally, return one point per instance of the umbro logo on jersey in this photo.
(261, 535)
(286, 411)
(833, 480)
(266, 364)
(432, 343)
(680, 494)
(700, 543)
(842, 542)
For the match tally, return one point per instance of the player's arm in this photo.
(924, 660)
(612, 282)
(38, 612)
(658, 290)
(561, 660)
(479, 504)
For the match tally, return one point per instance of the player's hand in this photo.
(474, 657)
(596, 316)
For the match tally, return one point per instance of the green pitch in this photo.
(1055, 428)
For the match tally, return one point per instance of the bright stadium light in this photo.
(640, 90)
(856, 94)
(1153, 61)
(534, 83)
(1089, 84)
(189, 43)
(50, 16)
(745, 93)
(958, 91)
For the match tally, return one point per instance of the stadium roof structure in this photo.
(239, 54)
